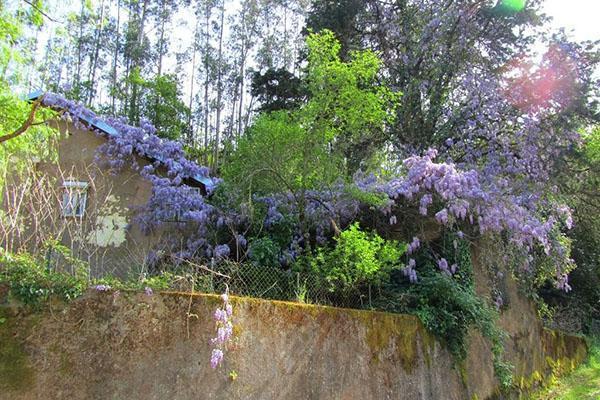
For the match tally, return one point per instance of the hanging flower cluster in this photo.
(464, 197)
(222, 317)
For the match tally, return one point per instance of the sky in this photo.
(580, 16)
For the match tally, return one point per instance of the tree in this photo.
(340, 17)
(23, 136)
(163, 106)
(277, 90)
(346, 101)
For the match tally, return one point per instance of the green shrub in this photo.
(32, 282)
(358, 257)
(264, 252)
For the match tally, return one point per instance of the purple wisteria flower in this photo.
(216, 358)
(102, 288)
(224, 325)
(443, 266)
(414, 245)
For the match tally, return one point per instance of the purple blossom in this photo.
(443, 266)
(414, 245)
(442, 216)
(222, 317)
(216, 358)
(222, 251)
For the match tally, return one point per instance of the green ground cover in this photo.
(582, 384)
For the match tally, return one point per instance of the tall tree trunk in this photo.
(241, 95)
(161, 39)
(115, 61)
(94, 62)
(206, 82)
(132, 11)
(134, 112)
(79, 49)
(219, 90)
(193, 79)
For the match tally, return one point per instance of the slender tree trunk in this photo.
(206, 82)
(232, 117)
(219, 90)
(79, 47)
(127, 54)
(94, 62)
(161, 40)
(115, 61)
(241, 95)
(134, 112)
(193, 79)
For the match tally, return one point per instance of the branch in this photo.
(41, 12)
(27, 124)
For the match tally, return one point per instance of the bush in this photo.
(358, 258)
(32, 282)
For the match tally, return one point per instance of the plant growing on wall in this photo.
(224, 326)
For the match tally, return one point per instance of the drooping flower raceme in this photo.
(224, 326)
(466, 197)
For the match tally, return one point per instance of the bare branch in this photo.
(36, 8)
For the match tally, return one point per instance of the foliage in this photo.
(279, 153)
(338, 16)
(446, 303)
(18, 152)
(277, 90)
(264, 252)
(348, 106)
(579, 182)
(32, 282)
(357, 258)
(164, 280)
(162, 105)
(581, 384)
(34, 144)
(304, 148)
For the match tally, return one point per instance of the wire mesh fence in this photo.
(277, 284)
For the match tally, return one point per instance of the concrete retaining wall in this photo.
(134, 346)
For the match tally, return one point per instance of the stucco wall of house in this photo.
(105, 236)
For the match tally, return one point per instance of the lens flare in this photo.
(511, 6)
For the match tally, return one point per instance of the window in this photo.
(195, 190)
(74, 198)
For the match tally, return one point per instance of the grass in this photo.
(581, 384)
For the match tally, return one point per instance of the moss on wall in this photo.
(16, 372)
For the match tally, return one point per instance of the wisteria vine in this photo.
(451, 193)
(224, 325)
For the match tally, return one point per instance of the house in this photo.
(89, 209)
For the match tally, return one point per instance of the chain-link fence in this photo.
(276, 284)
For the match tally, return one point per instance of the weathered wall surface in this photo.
(134, 346)
(105, 236)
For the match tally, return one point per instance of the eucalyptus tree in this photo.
(242, 41)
